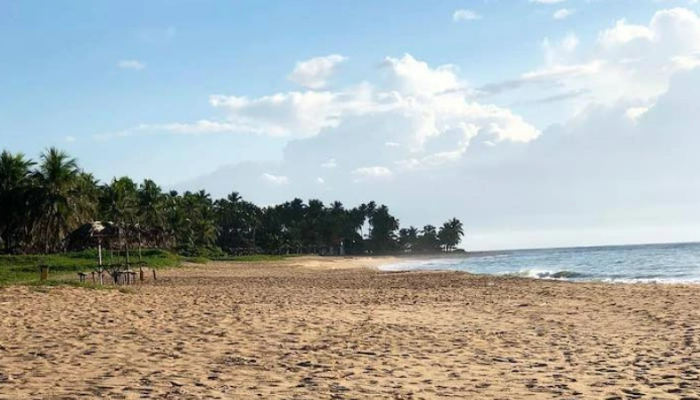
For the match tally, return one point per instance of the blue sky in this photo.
(122, 85)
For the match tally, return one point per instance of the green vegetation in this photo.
(43, 204)
(25, 268)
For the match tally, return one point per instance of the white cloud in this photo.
(371, 173)
(412, 106)
(329, 164)
(624, 33)
(628, 62)
(563, 13)
(298, 114)
(558, 71)
(686, 62)
(560, 50)
(70, 139)
(465, 15)
(276, 180)
(634, 113)
(134, 65)
(412, 76)
(314, 73)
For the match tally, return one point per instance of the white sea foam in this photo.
(663, 264)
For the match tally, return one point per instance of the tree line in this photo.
(42, 202)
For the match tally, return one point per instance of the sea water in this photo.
(662, 263)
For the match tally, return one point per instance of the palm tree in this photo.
(119, 202)
(40, 205)
(408, 238)
(382, 235)
(56, 178)
(87, 194)
(151, 211)
(204, 222)
(15, 180)
(428, 240)
(451, 234)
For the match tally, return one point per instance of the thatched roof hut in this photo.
(91, 234)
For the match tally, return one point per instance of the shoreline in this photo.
(378, 263)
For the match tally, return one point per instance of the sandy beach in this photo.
(314, 328)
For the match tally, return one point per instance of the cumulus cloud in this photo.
(134, 65)
(329, 164)
(465, 15)
(314, 73)
(634, 113)
(411, 76)
(376, 172)
(411, 106)
(629, 61)
(563, 13)
(623, 33)
(274, 179)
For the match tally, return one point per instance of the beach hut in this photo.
(95, 234)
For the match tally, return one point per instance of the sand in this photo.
(317, 328)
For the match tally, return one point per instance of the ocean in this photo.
(661, 263)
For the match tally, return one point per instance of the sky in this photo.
(538, 123)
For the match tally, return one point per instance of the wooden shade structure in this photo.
(96, 234)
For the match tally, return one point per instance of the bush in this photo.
(205, 252)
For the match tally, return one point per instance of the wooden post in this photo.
(140, 259)
(99, 261)
(44, 272)
(126, 248)
(154, 274)
(99, 252)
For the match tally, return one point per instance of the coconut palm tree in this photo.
(57, 178)
(451, 234)
(382, 235)
(119, 202)
(408, 238)
(88, 194)
(15, 182)
(428, 240)
(151, 211)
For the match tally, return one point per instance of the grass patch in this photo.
(25, 268)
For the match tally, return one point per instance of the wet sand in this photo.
(314, 328)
